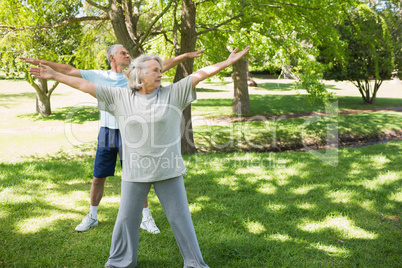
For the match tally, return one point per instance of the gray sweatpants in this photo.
(172, 196)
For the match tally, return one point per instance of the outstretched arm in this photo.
(211, 70)
(45, 72)
(170, 63)
(58, 67)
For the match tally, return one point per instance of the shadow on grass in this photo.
(11, 100)
(334, 87)
(210, 90)
(284, 104)
(217, 84)
(77, 115)
(249, 210)
(275, 86)
(272, 86)
(39, 226)
(318, 216)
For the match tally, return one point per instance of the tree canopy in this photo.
(21, 38)
(369, 55)
(286, 34)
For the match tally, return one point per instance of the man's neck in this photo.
(118, 68)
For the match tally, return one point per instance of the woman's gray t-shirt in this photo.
(150, 126)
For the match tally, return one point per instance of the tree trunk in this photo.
(117, 19)
(369, 96)
(188, 39)
(43, 94)
(43, 107)
(241, 101)
(43, 98)
(250, 81)
(377, 85)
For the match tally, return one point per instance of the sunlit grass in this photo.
(291, 209)
(343, 227)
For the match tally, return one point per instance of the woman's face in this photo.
(152, 75)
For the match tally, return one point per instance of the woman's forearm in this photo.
(46, 72)
(211, 70)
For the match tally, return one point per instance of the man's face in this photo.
(122, 57)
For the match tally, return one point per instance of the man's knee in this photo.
(98, 181)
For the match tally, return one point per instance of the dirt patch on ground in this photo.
(298, 144)
(302, 145)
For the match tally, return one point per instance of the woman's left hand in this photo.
(233, 57)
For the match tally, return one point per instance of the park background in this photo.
(288, 182)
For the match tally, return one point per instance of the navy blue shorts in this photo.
(109, 146)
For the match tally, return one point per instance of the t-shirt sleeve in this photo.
(182, 92)
(107, 97)
(90, 75)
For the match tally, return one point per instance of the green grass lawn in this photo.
(282, 134)
(284, 104)
(249, 210)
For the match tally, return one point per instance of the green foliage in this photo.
(91, 52)
(282, 36)
(32, 35)
(369, 53)
(392, 14)
(310, 73)
(49, 44)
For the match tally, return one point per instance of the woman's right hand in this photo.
(43, 72)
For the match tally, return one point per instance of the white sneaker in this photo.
(86, 223)
(149, 225)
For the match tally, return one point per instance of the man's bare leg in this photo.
(96, 194)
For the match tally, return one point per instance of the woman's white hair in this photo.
(137, 69)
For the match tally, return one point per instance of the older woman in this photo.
(149, 117)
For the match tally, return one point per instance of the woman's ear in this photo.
(139, 74)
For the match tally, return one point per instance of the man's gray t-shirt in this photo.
(150, 126)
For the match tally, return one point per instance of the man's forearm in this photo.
(170, 63)
(62, 68)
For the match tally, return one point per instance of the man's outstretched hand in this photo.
(195, 54)
(31, 61)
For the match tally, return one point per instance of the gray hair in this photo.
(112, 50)
(137, 69)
